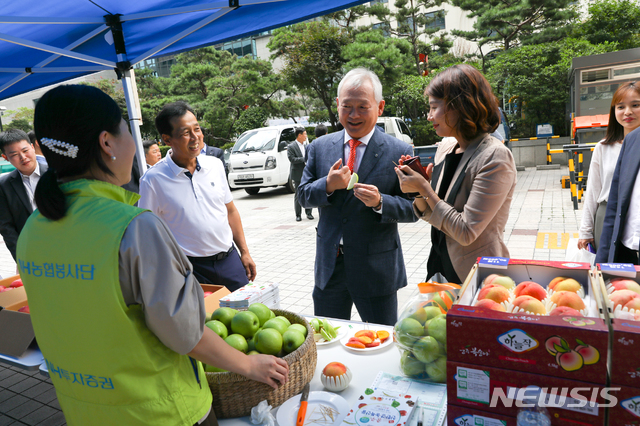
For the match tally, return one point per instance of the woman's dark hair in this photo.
(466, 91)
(168, 112)
(615, 131)
(76, 115)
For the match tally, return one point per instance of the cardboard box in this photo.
(17, 331)
(477, 387)
(212, 302)
(625, 333)
(527, 342)
(627, 411)
(465, 416)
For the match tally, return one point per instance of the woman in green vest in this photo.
(116, 309)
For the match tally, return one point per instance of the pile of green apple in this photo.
(422, 340)
(323, 331)
(256, 331)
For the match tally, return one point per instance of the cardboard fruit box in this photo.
(560, 346)
(497, 391)
(465, 416)
(627, 411)
(625, 331)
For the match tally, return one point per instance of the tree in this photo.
(416, 27)
(18, 123)
(312, 55)
(22, 113)
(537, 82)
(612, 21)
(510, 23)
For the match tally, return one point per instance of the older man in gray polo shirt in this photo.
(190, 192)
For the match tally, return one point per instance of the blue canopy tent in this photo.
(43, 42)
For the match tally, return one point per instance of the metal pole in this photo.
(135, 116)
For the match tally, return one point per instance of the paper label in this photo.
(471, 420)
(494, 262)
(473, 385)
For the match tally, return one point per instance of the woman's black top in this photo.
(439, 260)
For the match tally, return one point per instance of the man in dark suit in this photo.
(214, 152)
(358, 253)
(296, 153)
(621, 229)
(17, 188)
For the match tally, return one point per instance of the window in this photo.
(592, 93)
(626, 71)
(595, 75)
(435, 20)
(403, 127)
(382, 26)
(372, 2)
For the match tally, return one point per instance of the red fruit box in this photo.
(499, 391)
(561, 346)
(626, 412)
(625, 334)
(465, 416)
(17, 331)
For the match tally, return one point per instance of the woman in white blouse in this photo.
(624, 117)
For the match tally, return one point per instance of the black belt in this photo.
(222, 255)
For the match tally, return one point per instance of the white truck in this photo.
(396, 127)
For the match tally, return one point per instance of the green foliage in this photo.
(516, 22)
(19, 123)
(112, 88)
(612, 21)
(312, 56)
(535, 78)
(164, 149)
(252, 118)
(24, 113)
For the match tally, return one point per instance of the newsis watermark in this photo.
(557, 397)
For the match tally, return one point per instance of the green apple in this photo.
(262, 312)
(245, 323)
(432, 312)
(237, 341)
(427, 349)
(438, 329)
(410, 365)
(280, 317)
(273, 315)
(251, 343)
(315, 323)
(224, 315)
(218, 328)
(211, 369)
(419, 315)
(268, 341)
(301, 328)
(254, 352)
(437, 370)
(409, 331)
(276, 324)
(292, 339)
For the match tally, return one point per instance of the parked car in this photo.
(397, 128)
(426, 153)
(259, 159)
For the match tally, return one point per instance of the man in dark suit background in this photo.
(17, 188)
(621, 229)
(296, 153)
(213, 151)
(358, 252)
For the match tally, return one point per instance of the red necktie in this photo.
(352, 153)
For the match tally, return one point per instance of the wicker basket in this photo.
(235, 395)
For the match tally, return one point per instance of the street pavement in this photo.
(541, 221)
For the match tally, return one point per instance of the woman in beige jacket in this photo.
(468, 194)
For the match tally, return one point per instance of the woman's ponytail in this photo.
(49, 197)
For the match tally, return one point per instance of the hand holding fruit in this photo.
(268, 369)
(338, 177)
(368, 194)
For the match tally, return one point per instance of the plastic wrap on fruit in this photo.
(261, 414)
(421, 331)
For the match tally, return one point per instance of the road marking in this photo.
(550, 240)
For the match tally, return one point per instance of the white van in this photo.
(396, 127)
(259, 159)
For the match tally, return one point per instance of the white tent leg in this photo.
(135, 116)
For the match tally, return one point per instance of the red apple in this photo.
(208, 293)
(530, 288)
(16, 283)
(565, 310)
(334, 369)
(495, 292)
(490, 304)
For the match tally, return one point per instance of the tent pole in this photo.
(135, 116)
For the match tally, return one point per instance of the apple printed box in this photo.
(495, 390)
(627, 411)
(465, 416)
(625, 347)
(560, 346)
(17, 331)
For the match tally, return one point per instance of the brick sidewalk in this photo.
(540, 222)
